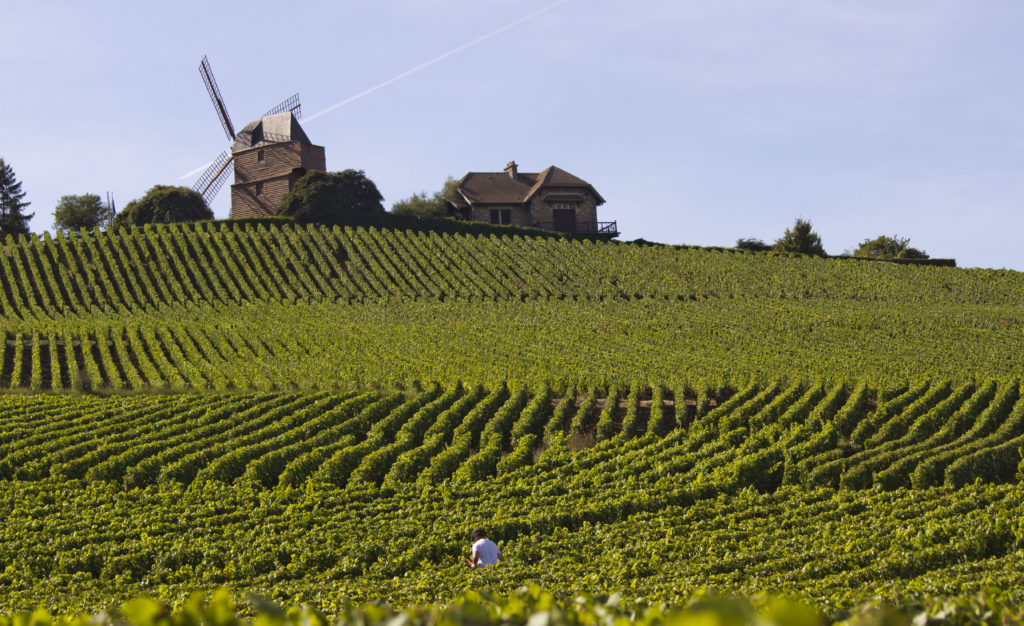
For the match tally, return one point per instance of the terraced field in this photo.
(322, 416)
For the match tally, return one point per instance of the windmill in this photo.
(267, 156)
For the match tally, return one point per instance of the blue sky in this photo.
(699, 122)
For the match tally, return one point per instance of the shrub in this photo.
(885, 247)
(347, 197)
(163, 204)
(752, 244)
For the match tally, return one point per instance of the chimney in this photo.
(512, 169)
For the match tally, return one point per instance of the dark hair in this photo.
(478, 534)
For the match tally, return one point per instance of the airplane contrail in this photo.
(411, 71)
(437, 59)
(195, 171)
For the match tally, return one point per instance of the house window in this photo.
(260, 157)
(501, 216)
(259, 189)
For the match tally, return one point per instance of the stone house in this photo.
(552, 199)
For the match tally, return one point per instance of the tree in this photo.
(801, 238)
(332, 198)
(163, 204)
(12, 220)
(752, 243)
(422, 205)
(84, 211)
(885, 247)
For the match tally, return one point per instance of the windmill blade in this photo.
(214, 177)
(290, 105)
(218, 101)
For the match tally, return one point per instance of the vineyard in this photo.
(281, 308)
(149, 268)
(321, 416)
(713, 441)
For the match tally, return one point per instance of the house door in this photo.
(565, 220)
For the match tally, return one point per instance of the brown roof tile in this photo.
(500, 188)
(496, 187)
(557, 177)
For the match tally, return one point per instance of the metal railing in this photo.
(581, 228)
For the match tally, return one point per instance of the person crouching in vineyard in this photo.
(485, 551)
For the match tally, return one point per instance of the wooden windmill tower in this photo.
(268, 156)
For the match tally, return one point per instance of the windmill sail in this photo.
(291, 105)
(218, 101)
(214, 177)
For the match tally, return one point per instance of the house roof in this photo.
(276, 128)
(501, 188)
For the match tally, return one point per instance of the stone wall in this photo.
(519, 214)
(586, 210)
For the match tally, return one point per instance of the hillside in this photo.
(216, 306)
(133, 270)
(322, 415)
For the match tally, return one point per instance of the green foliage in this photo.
(885, 247)
(85, 211)
(322, 414)
(345, 197)
(531, 604)
(419, 204)
(164, 204)
(295, 306)
(992, 464)
(422, 205)
(13, 220)
(706, 501)
(801, 239)
(368, 438)
(753, 244)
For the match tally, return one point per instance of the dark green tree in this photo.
(422, 205)
(752, 243)
(801, 238)
(163, 204)
(332, 198)
(84, 211)
(885, 247)
(13, 220)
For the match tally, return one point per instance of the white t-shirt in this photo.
(487, 551)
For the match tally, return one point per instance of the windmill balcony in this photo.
(586, 229)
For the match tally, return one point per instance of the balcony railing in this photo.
(604, 229)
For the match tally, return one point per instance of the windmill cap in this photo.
(276, 128)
